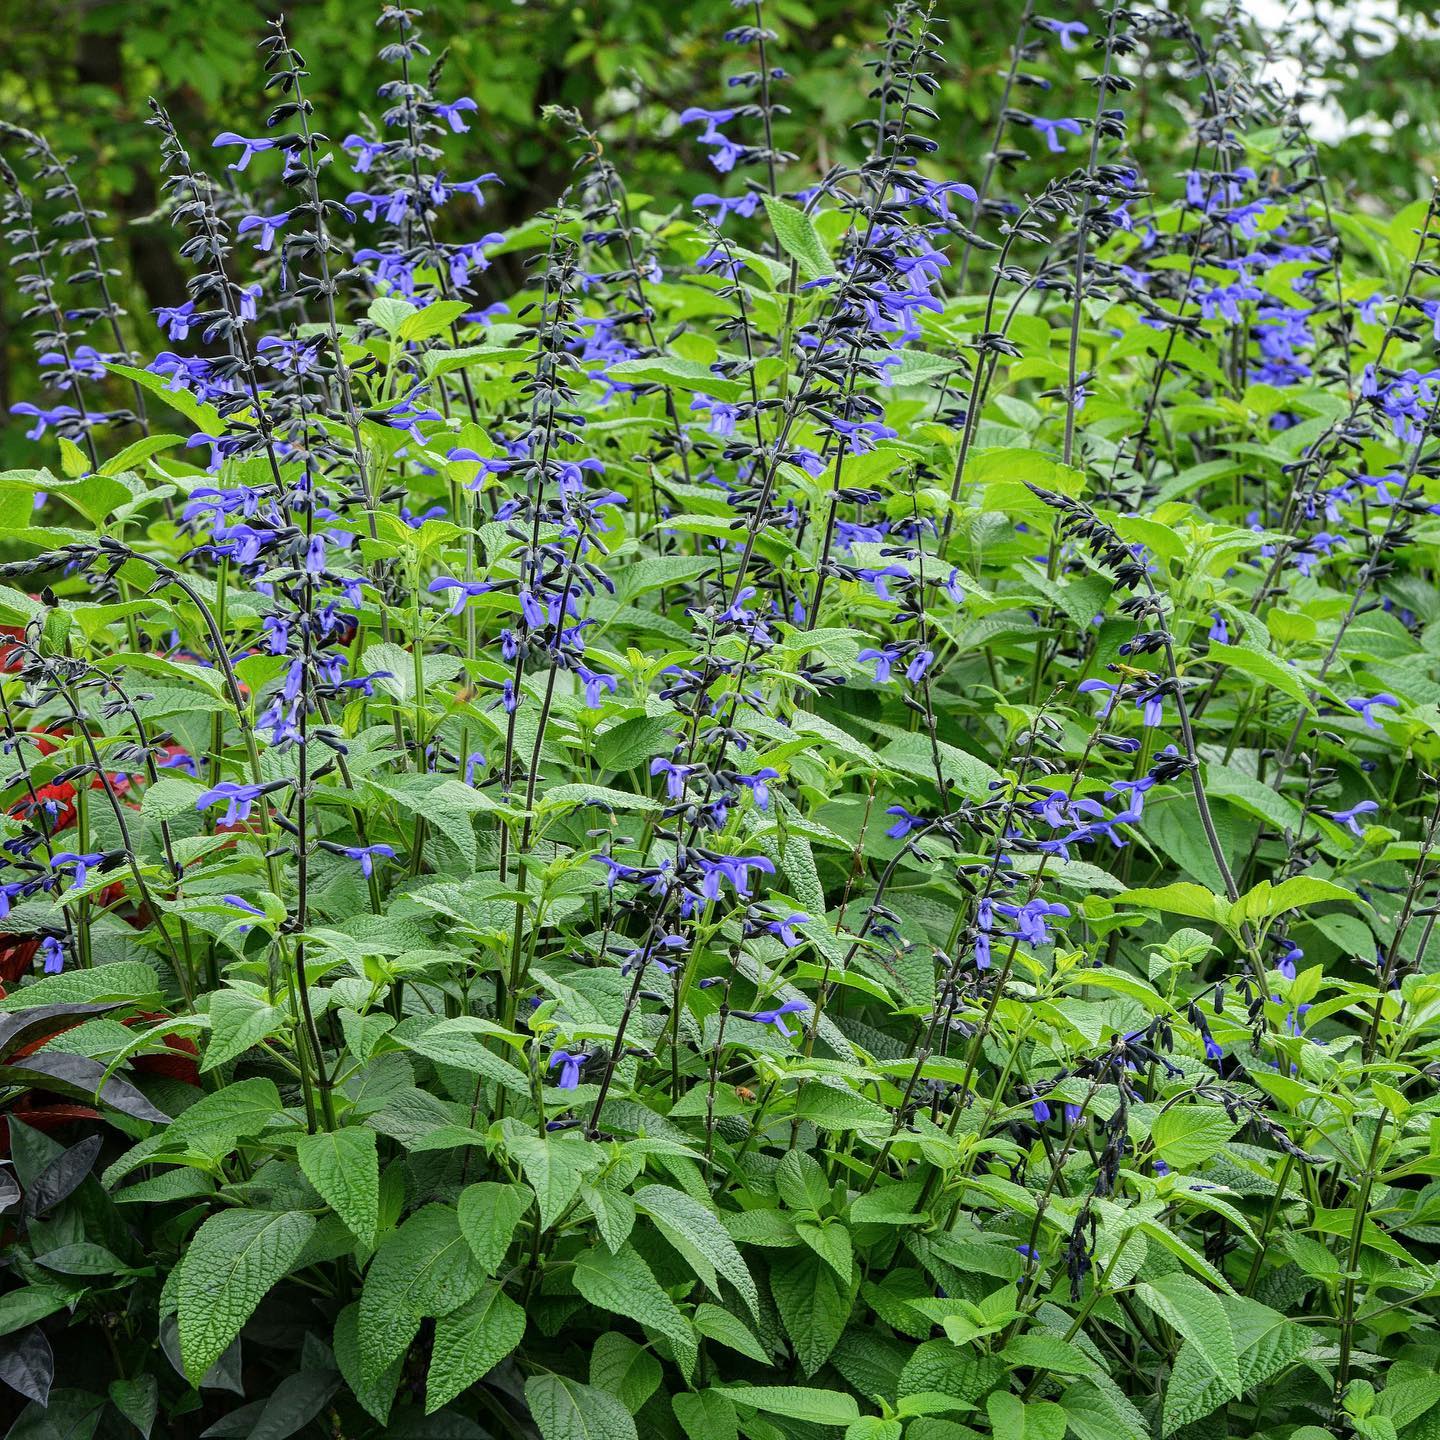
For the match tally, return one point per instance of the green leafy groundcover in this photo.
(823, 823)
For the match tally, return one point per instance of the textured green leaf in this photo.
(564, 1409)
(424, 1268)
(696, 1233)
(489, 1213)
(706, 1415)
(231, 1263)
(1013, 1419)
(796, 1402)
(344, 1166)
(216, 1121)
(237, 1022)
(374, 1394)
(627, 1370)
(814, 1305)
(470, 1342)
(554, 1167)
(1195, 1311)
(831, 1242)
(1265, 1343)
(623, 1284)
(1185, 1135)
(729, 1330)
(798, 238)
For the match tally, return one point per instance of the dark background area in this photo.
(81, 70)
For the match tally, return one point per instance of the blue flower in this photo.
(53, 953)
(465, 591)
(56, 417)
(238, 799)
(884, 658)
(1366, 708)
(1069, 31)
(727, 152)
(1286, 963)
(365, 854)
(1040, 1110)
(82, 863)
(569, 1068)
(1111, 692)
(904, 824)
(1347, 817)
(783, 930)
(758, 785)
(776, 1017)
(252, 147)
(452, 113)
(1050, 130)
(267, 225)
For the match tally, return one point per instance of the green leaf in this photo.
(1092, 1414)
(437, 317)
(814, 1305)
(238, 1022)
(623, 1284)
(444, 362)
(1186, 1135)
(706, 1415)
(451, 1043)
(1266, 901)
(1185, 1252)
(1012, 1419)
(829, 1107)
(554, 1167)
(627, 1370)
(728, 1330)
(564, 1409)
(796, 1402)
(1261, 666)
(424, 1268)
(801, 1182)
(799, 238)
(29, 1303)
(1194, 1311)
(830, 1240)
(216, 1121)
(344, 1166)
(470, 1342)
(678, 374)
(138, 1400)
(1265, 1342)
(700, 1237)
(231, 1263)
(630, 743)
(124, 980)
(375, 1395)
(138, 452)
(1181, 898)
(489, 1213)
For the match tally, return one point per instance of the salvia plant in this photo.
(824, 821)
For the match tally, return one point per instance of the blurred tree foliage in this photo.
(81, 70)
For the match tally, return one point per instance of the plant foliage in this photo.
(823, 822)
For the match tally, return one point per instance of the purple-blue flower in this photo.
(569, 1068)
(1347, 817)
(252, 147)
(776, 1017)
(1366, 708)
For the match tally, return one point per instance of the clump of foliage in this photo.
(821, 823)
